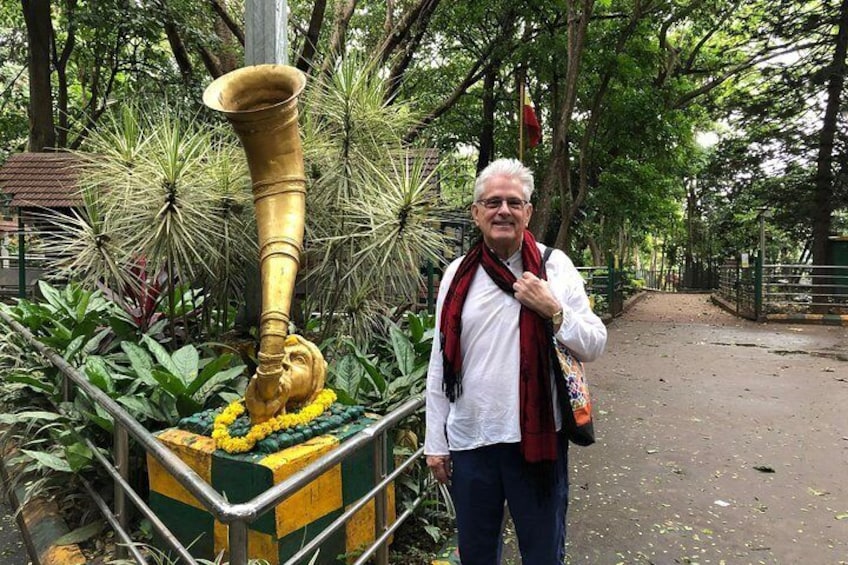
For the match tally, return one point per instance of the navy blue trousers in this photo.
(482, 479)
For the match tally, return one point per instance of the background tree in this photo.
(783, 150)
(39, 41)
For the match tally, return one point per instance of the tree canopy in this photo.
(622, 88)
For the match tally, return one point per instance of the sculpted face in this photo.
(299, 380)
(306, 369)
(301, 362)
(502, 226)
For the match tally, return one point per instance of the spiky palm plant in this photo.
(164, 192)
(372, 210)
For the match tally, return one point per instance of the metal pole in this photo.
(266, 23)
(122, 463)
(611, 284)
(758, 287)
(521, 116)
(238, 543)
(21, 255)
(763, 235)
(161, 529)
(759, 294)
(66, 388)
(380, 500)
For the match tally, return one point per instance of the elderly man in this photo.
(493, 416)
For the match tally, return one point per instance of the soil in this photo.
(719, 441)
(12, 549)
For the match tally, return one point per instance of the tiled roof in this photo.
(35, 180)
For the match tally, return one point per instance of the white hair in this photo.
(512, 168)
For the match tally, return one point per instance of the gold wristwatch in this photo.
(556, 319)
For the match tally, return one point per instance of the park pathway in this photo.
(720, 441)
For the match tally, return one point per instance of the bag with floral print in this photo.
(573, 391)
(572, 388)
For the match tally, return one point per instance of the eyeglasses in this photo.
(496, 203)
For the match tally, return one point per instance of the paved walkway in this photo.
(719, 441)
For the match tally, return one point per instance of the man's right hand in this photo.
(440, 465)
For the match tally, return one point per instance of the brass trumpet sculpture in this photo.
(260, 103)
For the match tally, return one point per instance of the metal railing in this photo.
(236, 516)
(737, 286)
(607, 286)
(805, 288)
(784, 289)
(666, 280)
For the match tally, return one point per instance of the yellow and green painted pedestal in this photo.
(280, 533)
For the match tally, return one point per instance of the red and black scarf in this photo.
(538, 431)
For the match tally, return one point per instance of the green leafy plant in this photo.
(70, 320)
(188, 380)
(392, 371)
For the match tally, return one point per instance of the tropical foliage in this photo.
(90, 333)
(165, 212)
(372, 204)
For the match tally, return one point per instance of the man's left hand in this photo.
(535, 293)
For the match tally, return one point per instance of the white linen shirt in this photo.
(487, 411)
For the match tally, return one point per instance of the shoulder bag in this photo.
(571, 385)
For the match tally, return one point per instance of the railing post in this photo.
(237, 538)
(21, 255)
(66, 389)
(611, 284)
(758, 287)
(122, 464)
(380, 500)
(737, 284)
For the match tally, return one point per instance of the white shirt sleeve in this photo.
(438, 405)
(582, 331)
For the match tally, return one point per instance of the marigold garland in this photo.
(258, 432)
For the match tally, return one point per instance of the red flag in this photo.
(531, 122)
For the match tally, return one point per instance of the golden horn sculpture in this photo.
(260, 103)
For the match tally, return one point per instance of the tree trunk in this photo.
(179, 50)
(595, 250)
(409, 47)
(824, 162)
(824, 188)
(227, 58)
(42, 132)
(558, 175)
(689, 267)
(543, 207)
(310, 40)
(344, 12)
(419, 13)
(228, 20)
(60, 63)
(477, 71)
(487, 131)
